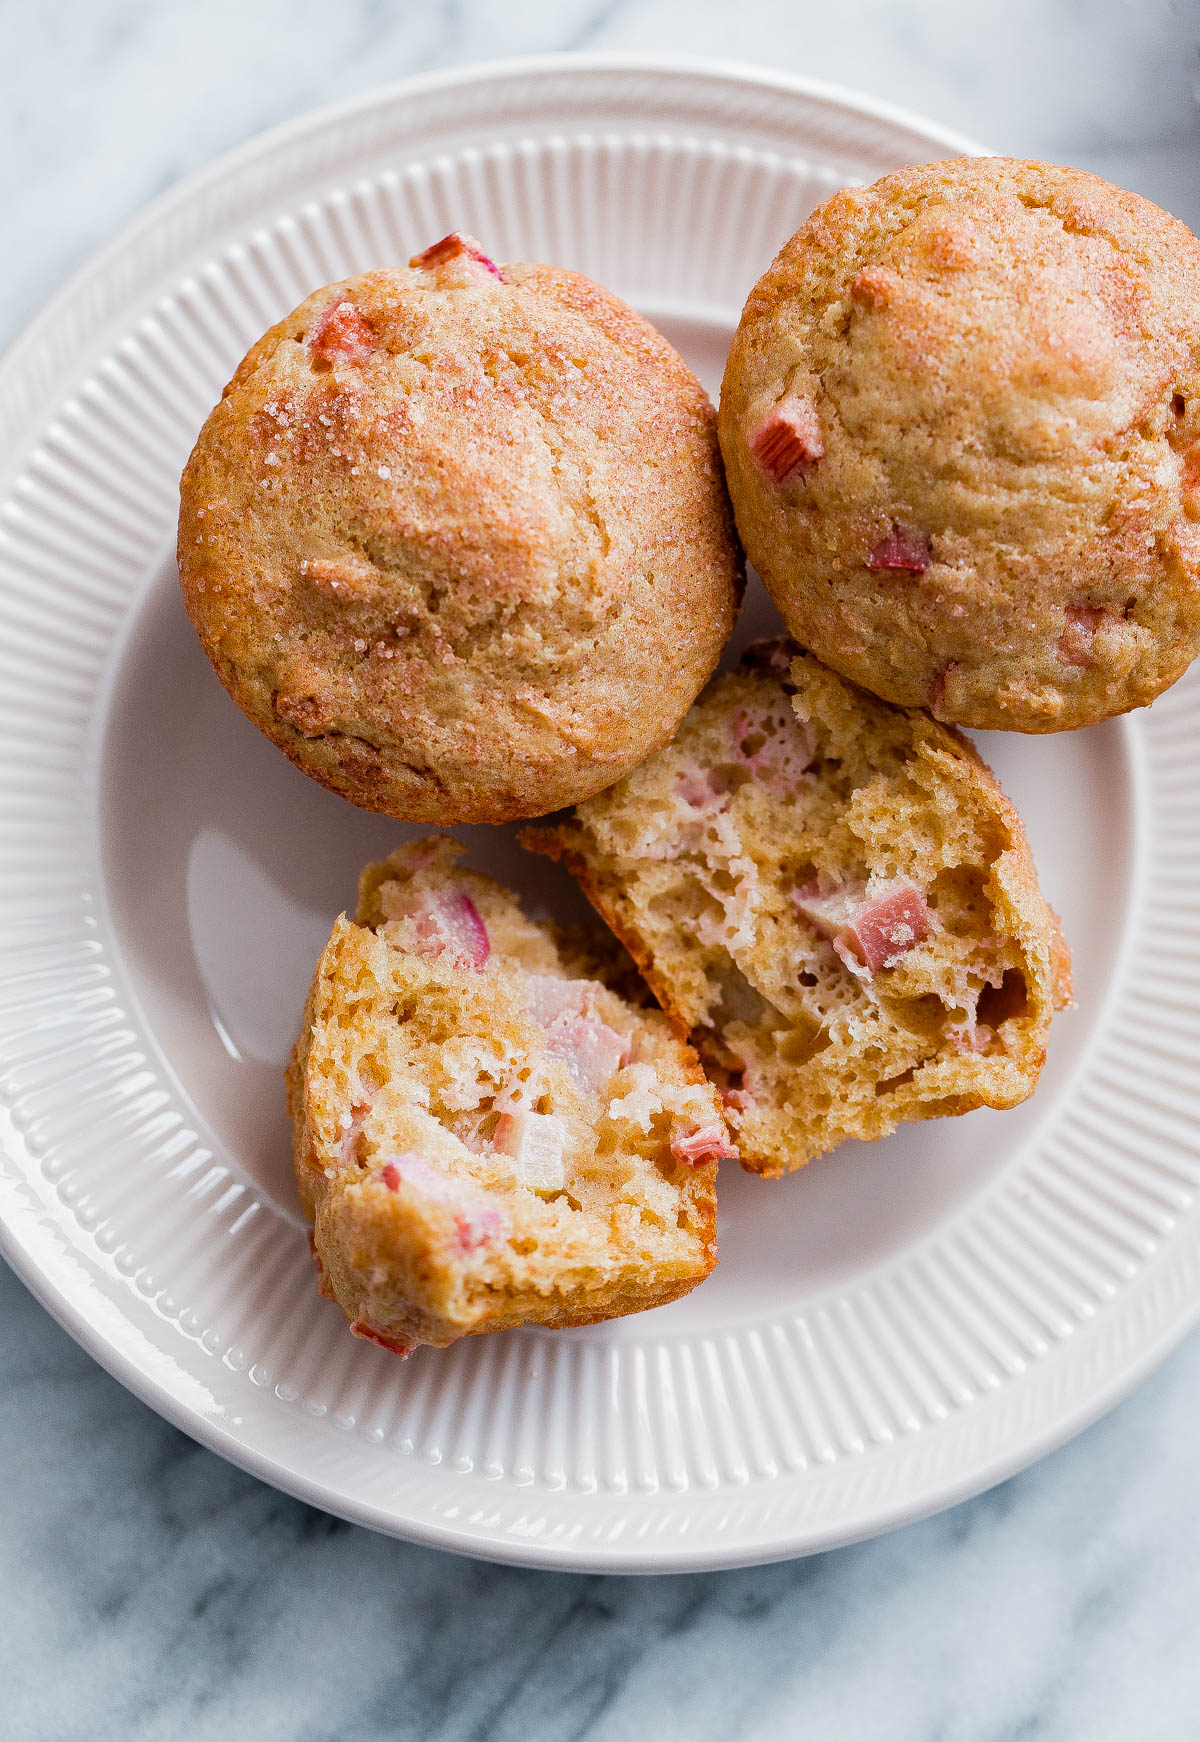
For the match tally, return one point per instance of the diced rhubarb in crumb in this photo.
(549, 995)
(455, 246)
(448, 922)
(706, 1143)
(970, 1036)
(772, 655)
(476, 1229)
(701, 788)
(415, 1172)
(788, 437)
(904, 550)
(401, 1346)
(535, 1142)
(589, 1047)
(868, 933)
(770, 741)
(1076, 643)
(341, 335)
(476, 1222)
(937, 689)
(873, 287)
(742, 1087)
(592, 1050)
(888, 926)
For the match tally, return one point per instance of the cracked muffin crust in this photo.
(961, 428)
(834, 900)
(457, 538)
(487, 1132)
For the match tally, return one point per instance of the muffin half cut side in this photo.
(833, 898)
(486, 1133)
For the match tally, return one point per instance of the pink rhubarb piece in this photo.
(903, 550)
(448, 922)
(1076, 644)
(402, 1346)
(477, 1228)
(872, 288)
(743, 1087)
(869, 933)
(788, 437)
(706, 1143)
(414, 1171)
(937, 689)
(476, 1223)
(772, 742)
(456, 246)
(970, 1036)
(584, 1042)
(549, 995)
(341, 335)
(701, 788)
(590, 1048)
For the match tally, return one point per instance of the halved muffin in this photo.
(486, 1134)
(833, 898)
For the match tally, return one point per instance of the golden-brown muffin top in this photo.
(961, 421)
(457, 538)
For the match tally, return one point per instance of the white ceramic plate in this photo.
(890, 1330)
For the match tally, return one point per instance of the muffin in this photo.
(961, 427)
(834, 900)
(487, 1132)
(457, 539)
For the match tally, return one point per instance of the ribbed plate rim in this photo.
(21, 1252)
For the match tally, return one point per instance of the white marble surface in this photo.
(149, 1591)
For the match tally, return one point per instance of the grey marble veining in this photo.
(149, 1591)
(152, 1591)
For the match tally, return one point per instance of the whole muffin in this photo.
(961, 428)
(457, 539)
